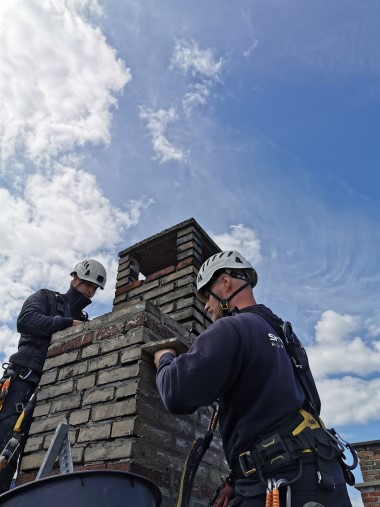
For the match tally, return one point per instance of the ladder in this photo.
(59, 448)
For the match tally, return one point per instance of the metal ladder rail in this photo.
(59, 448)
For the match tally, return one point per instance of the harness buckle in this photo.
(19, 408)
(25, 375)
(247, 463)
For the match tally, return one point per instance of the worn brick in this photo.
(123, 288)
(56, 390)
(55, 350)
(79, 417)
(49, 377)
(73, 370)
(94, 432)
(118, 374)
(192, 236)
(186, 280)
(130, 355)
(90, 351)
(65, 403)
(189, 245)
(125, 273)
(190, 253)
(143, 287)
(79, 342)
(160, 274)
(107, 451)
(175, 295)
(103, 362)
(126, 389)
(41, 409)
(98, 395)
(114, 343)
(110, 411)
(123, 428)
(63, 358)
(47, 424)
(109, 331)
(189, 261)
(32, 461)
(34, 443)
(86, 382)
(188, 230)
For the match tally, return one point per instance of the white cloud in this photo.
(197, 96)
(157, 124)
(201, 64)
(8, 342)
(59, 78)
(337, 350)
(243, 239)
(54, 222)
(189, 58)
(349, 400)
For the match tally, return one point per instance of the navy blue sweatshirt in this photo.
(39, 318)
(240, 361)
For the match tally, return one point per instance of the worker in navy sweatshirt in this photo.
(241, 362)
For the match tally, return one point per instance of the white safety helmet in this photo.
(92, 271)
(228, 261)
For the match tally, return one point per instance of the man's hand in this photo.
(159, 353)
(77, 322)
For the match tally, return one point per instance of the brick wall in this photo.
(98, 377)
(369, 456)
(163, 269)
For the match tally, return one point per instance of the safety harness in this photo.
(19, 431)
(300, 438)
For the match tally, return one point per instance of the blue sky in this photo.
(258, 118)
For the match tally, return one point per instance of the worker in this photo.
(45, 312)
(240, 360)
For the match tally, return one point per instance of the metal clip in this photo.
(246, 464)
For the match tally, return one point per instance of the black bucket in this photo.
(97, 488)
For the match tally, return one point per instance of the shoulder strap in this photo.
(299, 359)
(56, 302)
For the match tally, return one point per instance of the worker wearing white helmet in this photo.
(45, 312)
(239, 276)
(248, 361)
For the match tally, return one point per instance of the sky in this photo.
(258, 118)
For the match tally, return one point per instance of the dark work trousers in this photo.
(19, 393)
(303, 491)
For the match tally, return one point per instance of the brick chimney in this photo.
(163, 268)
(99, 378)
(369, 456)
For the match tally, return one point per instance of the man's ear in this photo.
(227, 281)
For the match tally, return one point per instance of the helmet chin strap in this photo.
(224, 302)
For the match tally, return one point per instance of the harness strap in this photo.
(274, 453)
(60, 303)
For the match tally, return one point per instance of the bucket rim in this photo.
(64, 477)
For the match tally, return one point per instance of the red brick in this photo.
(159, 274)
(56, 350)
(187, 262)
(130, 286)
(77, 343)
